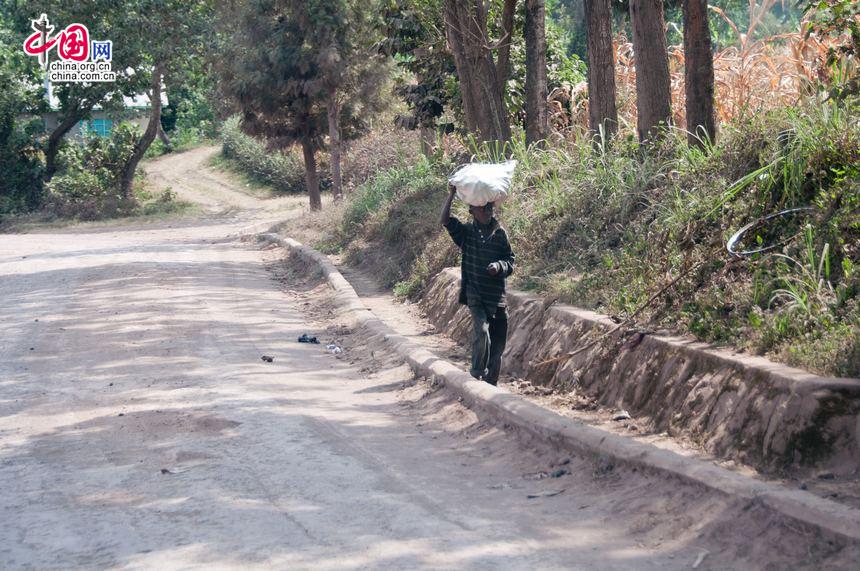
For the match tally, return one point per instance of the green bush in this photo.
(284, 171)
(21, 166)
(195, 115)
(395, 215)
(180, 140)
(87, 185)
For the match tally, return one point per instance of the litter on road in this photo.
(623, 415)
(544, 494)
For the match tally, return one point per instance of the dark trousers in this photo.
(488, 341)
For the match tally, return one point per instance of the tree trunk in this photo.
(602, 110)
(162, 136)
(127, 179)
(483, 104)
(333, 112)
(653, 89)
(52, 147)
(698, 73)
(454, 32)
(537, 111)
(427, 141)
(503, 65)
(311, 178)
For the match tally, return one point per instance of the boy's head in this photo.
(483, 214)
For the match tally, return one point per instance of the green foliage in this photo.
(806, 286)
(158, 203)
(376, 195)
(606, 228)
(180, 140)
(283, 59)
(567, 18)
(194, 114)
(22, 168)
(412, 35)
(391, 224)
(87, 185)
(189, 120)
(20, 163)
(840, 20)
(282, 170)
(104, 19)
(562, 70)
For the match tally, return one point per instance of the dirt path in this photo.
(140, 428)
(220, 193)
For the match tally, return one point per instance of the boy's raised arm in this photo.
(446, 210)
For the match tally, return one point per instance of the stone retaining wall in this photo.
(770, 416)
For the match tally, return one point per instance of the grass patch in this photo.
(150, 206)
(245, 181)
(282, 171)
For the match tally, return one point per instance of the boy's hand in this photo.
(494, 268)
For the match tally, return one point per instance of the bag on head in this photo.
(480, 183)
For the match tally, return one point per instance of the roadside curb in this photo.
(803, 507)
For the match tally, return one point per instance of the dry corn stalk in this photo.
(752, 76)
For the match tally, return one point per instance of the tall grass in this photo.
(282, 170)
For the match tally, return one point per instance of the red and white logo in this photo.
(80, 60)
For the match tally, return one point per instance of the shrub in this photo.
(180, 140)
(284, 171)
(87, 183)
(395, 217)
(376, 152)
(22, 169)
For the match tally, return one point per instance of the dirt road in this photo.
(140, 428)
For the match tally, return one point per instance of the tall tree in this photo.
(105, 19)
(269, 71)
(168, 35)
(144, 141)
(150, 38)
(698, 72)
(299, 70)
(602, 109)
(412, 36)
(537, 113)
(483, 104)
(503, 62)
(20, 87)
(347, 55)
(653, 87)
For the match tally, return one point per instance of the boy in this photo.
(487, 261)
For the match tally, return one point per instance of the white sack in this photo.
(480, 183)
